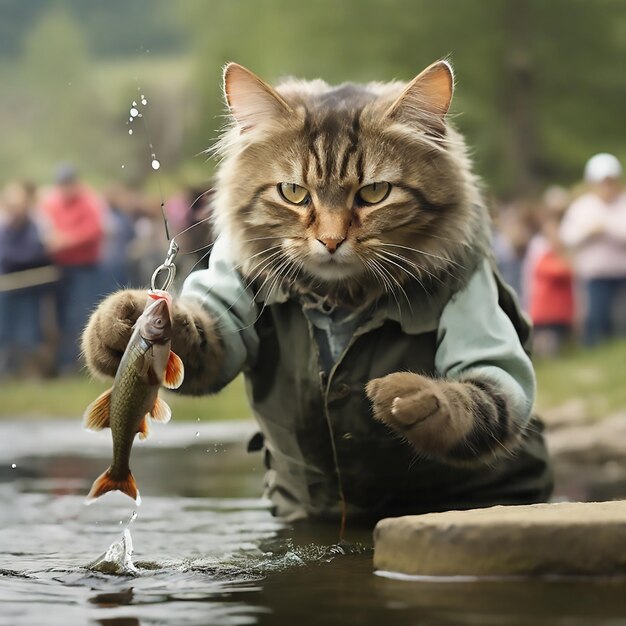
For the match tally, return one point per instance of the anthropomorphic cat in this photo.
(353, 286)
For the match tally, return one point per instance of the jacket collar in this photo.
(417, 312)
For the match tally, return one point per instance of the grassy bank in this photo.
(595, 379)
(68, 398)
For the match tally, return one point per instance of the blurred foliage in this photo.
(540, 85)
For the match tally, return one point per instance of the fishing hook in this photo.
(167, 267)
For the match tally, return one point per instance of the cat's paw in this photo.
(416, 407)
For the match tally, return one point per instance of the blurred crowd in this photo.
(64, 247)
(565, 256)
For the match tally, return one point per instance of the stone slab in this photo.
(577, 538)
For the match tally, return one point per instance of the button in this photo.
(256, 443)
(343, 390)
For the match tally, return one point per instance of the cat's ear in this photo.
(427, 97)
(250, 100)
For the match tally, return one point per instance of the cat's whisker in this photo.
(410, 263)
(391, 282)
(396, 281)
(422, 268)
(265, 251)
(204, 256)
(373, 267)
(269, 270)
(428, 254)
(209, 245)
(265, 264)
(369, 268)
(277, 275)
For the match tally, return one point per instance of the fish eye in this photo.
(158, 322)
(294, 194)
(373, 194)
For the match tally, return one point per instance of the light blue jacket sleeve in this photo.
(476, 337)
(222, 293)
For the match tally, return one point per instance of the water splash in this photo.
(117, 559)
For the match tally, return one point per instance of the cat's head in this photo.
(354, 187)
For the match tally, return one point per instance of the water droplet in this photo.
(155, 164)
(130, 131)
(13, 465)
(144, 101)
(198, 420)
(140, 115)
(134, 112)
(130, 119)
(197, 434)
(134, 103)
(133, 517)
(121, 522)
(123, 166)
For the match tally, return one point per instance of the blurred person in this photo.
(119, 234)
(75, 237)
(189, 217)
(199, 236)
(148, 249)
(551, 297)
(594, 228)
(512, 232)
(554, 202)
(21, 248)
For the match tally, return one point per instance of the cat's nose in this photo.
(331, 243)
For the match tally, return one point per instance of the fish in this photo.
(133, 401)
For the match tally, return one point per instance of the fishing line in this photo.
(167, 270)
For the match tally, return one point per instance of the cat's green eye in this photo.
(292, 193)
(374, 193)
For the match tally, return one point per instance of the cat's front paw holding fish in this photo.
(420, 409)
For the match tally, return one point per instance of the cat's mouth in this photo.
(341, 264)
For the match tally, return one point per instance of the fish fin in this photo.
(161, 411)
(104, 483)
(144, 428)
(96, 416)
(174, 372)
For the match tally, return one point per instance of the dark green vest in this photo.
(320, 437)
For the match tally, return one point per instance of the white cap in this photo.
(602, 166)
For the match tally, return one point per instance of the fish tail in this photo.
(105, 483)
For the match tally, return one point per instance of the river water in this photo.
(208, 552)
